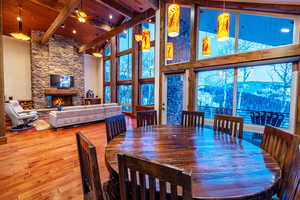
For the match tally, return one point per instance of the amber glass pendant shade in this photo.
(223, 27)
(97, 54)
(138, 37)
(81, 16)
(173, 20)
(206, 46)
(146, 40)
(170, 51)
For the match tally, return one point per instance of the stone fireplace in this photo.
(58, 56)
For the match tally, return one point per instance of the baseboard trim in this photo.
(3, 140)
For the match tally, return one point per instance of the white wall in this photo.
(92, 74)
(17, 68)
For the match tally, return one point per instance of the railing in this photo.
(211, 111)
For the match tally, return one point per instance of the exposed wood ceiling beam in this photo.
(138, 18)
(118, 7)
(273, 8)
(153, 3)
(64, 13)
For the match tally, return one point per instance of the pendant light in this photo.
(19, 35)
(223, 26)
(170, 51)
(97, 53)
(81, 16)
(206, 46)
(173, 20)
(145, 40)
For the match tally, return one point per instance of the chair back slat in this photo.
(192, 119)
(229, 124)
(146, 118)
(281, 145)
(290, 187)
(91, 183)
(115, 126)
(158, 176)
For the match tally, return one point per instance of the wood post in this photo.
(2, 120)
(113, 70)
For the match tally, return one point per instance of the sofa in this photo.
(72, 115)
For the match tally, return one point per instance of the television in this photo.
(61, 81)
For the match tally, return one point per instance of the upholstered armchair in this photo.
(20, 118)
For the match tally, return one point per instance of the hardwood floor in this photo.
(44, 164)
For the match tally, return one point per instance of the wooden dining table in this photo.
(223, 167)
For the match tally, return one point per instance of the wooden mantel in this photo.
(55, 91)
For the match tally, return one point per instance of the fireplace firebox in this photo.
(63, 100)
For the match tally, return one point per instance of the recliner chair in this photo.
(20, 118)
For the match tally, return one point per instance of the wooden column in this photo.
(113, 68)
(193, 57)
(297, 129)
(135, 69)
(2, 120)
(161, 54)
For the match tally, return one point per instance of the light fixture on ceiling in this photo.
(170, 51)
(81, 15)
(284, 30)
(97, 54)
(145, 40)
(223, 25)
(19, 35)
(74, 31)
(206, 46)
(110, 16)
(62, 26)
(173, 20)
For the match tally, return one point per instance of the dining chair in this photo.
(192, 118)
(160, 178)
(281, 145)
(146, 118)
(229, 124)
(290, 187)
(91, 183)
(114, 126)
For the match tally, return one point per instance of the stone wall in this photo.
(57, 56)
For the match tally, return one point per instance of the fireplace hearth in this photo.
(55, 100)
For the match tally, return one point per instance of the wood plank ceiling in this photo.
(40, 14)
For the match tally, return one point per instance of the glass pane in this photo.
(125, 40)
(215, 92)
(147, 94)
(107, 51)
(125, 66)
(125, 97)
(107, 94)
(107, 70)
(148, 63)
(208, 23)
(264, 94)
(175, 95)
(181, 43)
(151, 27)
(260, 32)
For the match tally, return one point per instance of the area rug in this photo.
(38, 125)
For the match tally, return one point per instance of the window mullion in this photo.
(234, 103)
(237, 30)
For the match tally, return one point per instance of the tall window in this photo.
(107, 70)
(263, 93)
(107, 51)
(146, 74)
(181, 43)
(215, 92)
(261, 32)
(125, 40)
(208, 28)
(255, 32)
(107, 94)
(263, 90)
(125, 67)
(125, 97)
